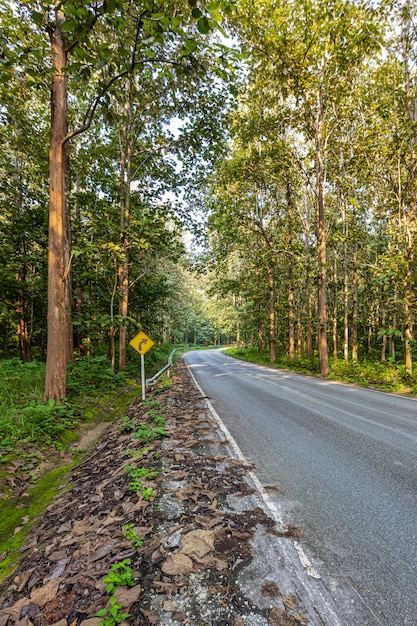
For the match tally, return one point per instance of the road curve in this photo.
(346, 461)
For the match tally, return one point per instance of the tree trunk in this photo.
(409, 290)
(125, 174)
(335, 305)
(309, 307)
(299, 327)
(68, 259)
(56, 361)
(291, 315)
(21, 305)
(345, 301)
(321, 247)
(22, 325)
(384, 338)
(355, 321)
(411, 100)
(272, 331)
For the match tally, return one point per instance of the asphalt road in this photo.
(346, 461)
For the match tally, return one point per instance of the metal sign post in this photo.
(142, 369)
(142, 343)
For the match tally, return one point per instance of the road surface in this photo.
(346, 461)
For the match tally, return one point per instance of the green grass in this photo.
(387, 376)
(26, 422)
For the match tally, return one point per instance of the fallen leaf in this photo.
(270, 589)
(59, 569)
(20, 580)
(151, 616)
(24, 622)
(126, 597)
(280, 617)
(81, 526)
(15, 610)
(42, 595)
(220, 564)
(177, 564)
(198, 542)
(103, 551)
(290, 602)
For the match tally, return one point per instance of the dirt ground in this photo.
(145, 533)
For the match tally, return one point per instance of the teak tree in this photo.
(127, 34)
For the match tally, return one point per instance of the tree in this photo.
(138, 34)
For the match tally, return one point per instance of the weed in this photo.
(136, 484)
(132, 535)
(127, 424)
(147, 493)
(111, 614)
(153, 404)
(140, 472)
(156, 418)
(148, 434)
(120, 575)
(164, 383)
(138, 454)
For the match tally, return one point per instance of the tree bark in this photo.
(125, 175)
(309, 307)
(334, 327)
(321, 246)
(68, 259)
(22, 300)
(272, 331)
(291, 315)
(410, 84)
(409, 291)
(345, 300)
(384, 337)
(57, 344)
(355, 320)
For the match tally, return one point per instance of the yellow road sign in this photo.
(141, 343)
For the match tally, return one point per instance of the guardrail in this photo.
(150, 381)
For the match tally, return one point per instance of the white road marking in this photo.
(255, 480)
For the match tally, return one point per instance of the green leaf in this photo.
(110, 6)
(203, 25)
(68, 25)
(196, 13)
(37, 17)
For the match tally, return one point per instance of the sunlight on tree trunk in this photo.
(56, 362)
(272, 331)
(125, 176)
(321, 244)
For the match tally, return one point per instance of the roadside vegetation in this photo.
(387, 376)
(28, 426)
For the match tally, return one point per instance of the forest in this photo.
(209, 172)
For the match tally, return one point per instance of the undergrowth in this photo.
(388, 376)
(26, 422)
